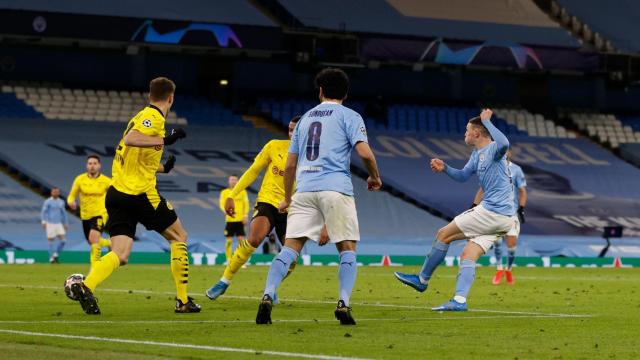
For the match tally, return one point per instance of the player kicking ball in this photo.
(482, 225)
(520, 201)
(319, 159)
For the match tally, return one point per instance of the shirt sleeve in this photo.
(74, 191)
(149, 125)
(245, 200)
(464, 174)
(43, 213)
(65, 219)
(249, 176)
(293, 145)
(356, 131)
(501, 141)
(520, 180)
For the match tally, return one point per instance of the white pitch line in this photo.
(181, 346)
(141, 322)
(238, 297)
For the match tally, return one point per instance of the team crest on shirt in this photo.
(482, 157)
(363, 130)
(146, 123)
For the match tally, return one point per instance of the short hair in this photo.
(161, 88)
(94, 156)
(334, 83)
(477, 122)
(233, 175)
(295, 119)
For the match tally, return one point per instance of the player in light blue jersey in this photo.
(481, 225)
(520, 201)
(55, 223)
(319, 160)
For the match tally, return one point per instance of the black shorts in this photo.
(276, 219)
(234, 228)
(126, 211)
(95, 223)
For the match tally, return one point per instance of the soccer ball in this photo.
(72, 279)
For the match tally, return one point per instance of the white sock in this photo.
(460, 299)
(422, 280)
(225, 280)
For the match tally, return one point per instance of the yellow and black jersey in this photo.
(241, 201)
(273, 157)
(92, 191)
(134, 168)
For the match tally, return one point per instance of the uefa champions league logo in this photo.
(39, 24)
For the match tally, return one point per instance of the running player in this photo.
(55, 223)
(482, 225)
(234, 224)
(266, 216)
(133, 198)
(319, 160)
(92, 187)
(520, 194)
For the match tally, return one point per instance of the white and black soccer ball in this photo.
(72, 279)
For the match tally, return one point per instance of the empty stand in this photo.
(606, 128)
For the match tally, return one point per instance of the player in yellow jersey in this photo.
(91, 187)
(266, 216)
(133, 198)
(234, 224)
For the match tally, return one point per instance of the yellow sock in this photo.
(180, 269)
(94, 254)
(240, 256)
(228, 249)
(104, 242)
(101, 270)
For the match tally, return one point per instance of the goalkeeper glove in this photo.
(521, 214)
(175, 135)
(168, 165)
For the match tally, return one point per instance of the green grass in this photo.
(137, 304)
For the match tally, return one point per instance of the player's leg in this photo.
(177, 237)
(467, 273)
(228, 248)
(61, 243)
(99, 226)
(52, 248)
(277, 272)
(511, 256)
(347, 273)
(93, 238)
(497, 249)
(280, 225)
(445, 236)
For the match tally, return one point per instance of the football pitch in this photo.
(580, 313)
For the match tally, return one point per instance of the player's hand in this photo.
(374, 183)
(72, 205)
(174, 136)
(437, 165)
(521, 214)
(230, 207)
(324, 236)
(284, 206)
(245, 220)
(169, 164)
(486, 114)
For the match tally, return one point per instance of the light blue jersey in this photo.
(53, 211)
(323, 141)
(490, 163)
(518, 182)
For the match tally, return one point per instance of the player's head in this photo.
(475, 131)
(161, 90)
(333, 84)
(93, 164)
(55, 192)
(292, 124)
(233, 180)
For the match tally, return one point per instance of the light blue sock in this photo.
(52, 246)
(511, 256)
(497, 249)
(347, 274)
(466, 275)
(279, 268)
(60, 246)
(435, 257)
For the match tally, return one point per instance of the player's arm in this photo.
(478, 199)
(463, 175)
(363, 149)
(65, 218)
(71, 199)
(43, 212)
(289, 178)
(261, 161)
(137, 137)
(497, 135)
(167, 166)
(522, 202)
(245, 203)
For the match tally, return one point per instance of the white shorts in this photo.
(310, 211)
(54, 230)
(515, 228)
(483, 227)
